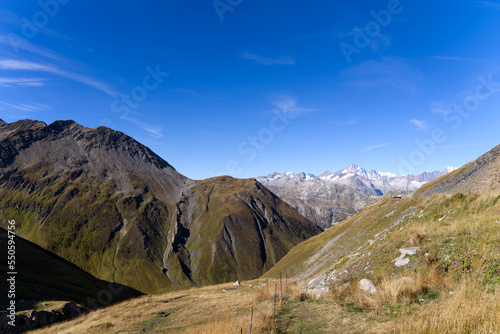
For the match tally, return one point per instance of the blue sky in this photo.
(246, 88)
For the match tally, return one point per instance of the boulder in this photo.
(71, 310)
(368, 286)
(401, 262)
(43, 318)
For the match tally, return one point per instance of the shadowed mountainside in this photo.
(44, 276)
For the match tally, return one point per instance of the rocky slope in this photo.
(325, 203)
(480, 176)
(108, 204)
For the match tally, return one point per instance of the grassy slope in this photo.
(43, 276)
(79, 218)
(214, 309)
(445, 178)
(460, 235)
(317, 255)
(221, 309)
(242, 229)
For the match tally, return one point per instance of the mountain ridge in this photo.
(105, 202)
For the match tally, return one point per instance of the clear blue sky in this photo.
(260, 86)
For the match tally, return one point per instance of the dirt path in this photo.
(315, 317)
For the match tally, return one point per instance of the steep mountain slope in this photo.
(325, 203)
(479, 176)
(318, 255)
(108, 204)
(44, 276)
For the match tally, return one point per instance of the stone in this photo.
(71, 310)
(42, 318)
(409, 250)
(368, 286)
(401, 262)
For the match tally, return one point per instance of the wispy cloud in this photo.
(458, 59)
(421, 125)
(153, 130)
(390, 72)
(268, 60)
(374, 147)
(348, 122)
(17, 65)
(30, 47)
(289, 105)
(22, 82)
(26, 107)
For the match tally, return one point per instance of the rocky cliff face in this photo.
(481, 176)
(103, 201)
(325, 203)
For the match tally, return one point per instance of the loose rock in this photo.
(368, 286)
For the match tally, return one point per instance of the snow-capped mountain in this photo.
(377, 183)
(333, 196)
(287, 176)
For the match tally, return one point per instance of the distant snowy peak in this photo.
(449, 169)
(286, 176)
(359, 178)
(355, 169)
(387, 174)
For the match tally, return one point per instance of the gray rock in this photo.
(401, 260)
(368, 286)
(409, 250)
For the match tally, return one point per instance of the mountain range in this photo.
(106, 203)
(332, 197)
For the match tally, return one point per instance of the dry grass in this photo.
(391, 291)
(470, 309)
(217, 309)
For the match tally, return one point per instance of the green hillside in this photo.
(44, 277)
